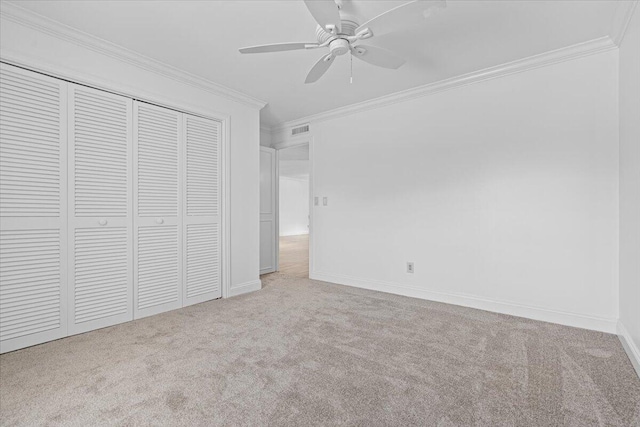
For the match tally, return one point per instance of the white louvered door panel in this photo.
(33, 223)
(157, 225)
(100, 209)
(201, 236)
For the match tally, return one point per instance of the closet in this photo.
(110, 209)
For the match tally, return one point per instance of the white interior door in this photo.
(100, 209)
(201, 211)
(157, 228)
(33, 206)
(268, 224)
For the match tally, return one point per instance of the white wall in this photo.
(294, 206)
(294, 168)
(503, 193)
(72, 59)
(265, 137)
(630, 187)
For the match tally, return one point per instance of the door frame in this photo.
(307, 140)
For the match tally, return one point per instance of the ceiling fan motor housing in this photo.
(337, 44)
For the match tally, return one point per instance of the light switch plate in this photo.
(316, 200)
(325, 201)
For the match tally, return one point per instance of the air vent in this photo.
(299, 130)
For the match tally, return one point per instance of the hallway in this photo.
(294, 256)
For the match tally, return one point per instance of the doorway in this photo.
(293, 210)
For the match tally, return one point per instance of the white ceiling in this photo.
(202, 37)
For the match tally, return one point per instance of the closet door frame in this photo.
(225, 197)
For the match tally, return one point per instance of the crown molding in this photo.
(22, 16)
(621, 20)
(548, 58)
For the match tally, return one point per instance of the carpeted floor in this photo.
(302, 353)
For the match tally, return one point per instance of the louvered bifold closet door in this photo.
(100, 209)
(33, 232)
(201, 254)
(157, 228)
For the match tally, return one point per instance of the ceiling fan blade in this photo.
(319, 68)
(378, 56)
(325, 12)
(407, 15)
(278, 47)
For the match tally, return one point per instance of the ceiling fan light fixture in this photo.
(339, 47)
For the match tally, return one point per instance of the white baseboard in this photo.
(553, 316)
(243, 288)
(629, 346)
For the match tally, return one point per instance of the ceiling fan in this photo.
(340, 33)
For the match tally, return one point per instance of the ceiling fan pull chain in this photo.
(351, 78)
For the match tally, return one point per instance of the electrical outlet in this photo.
(410, 267)
(325, 201)
(316, 200)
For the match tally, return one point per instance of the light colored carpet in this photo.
(301, 352)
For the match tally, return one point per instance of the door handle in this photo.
(102, 222)
(159, 220)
